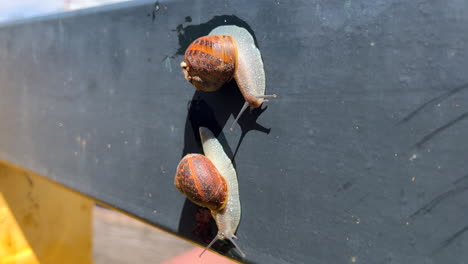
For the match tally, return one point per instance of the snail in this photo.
(227, 52)
(211, 181)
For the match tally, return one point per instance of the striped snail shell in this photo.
(211, 181)
(227, 52)
(209, 62)
(199, 180)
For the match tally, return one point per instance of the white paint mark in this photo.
(452, 53)
(167, 64)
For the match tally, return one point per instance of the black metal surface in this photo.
(361, 159)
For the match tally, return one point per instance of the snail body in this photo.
(227, 52)
(217, 187)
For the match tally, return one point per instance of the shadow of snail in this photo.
(210, 64)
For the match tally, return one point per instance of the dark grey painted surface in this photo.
(365, 158)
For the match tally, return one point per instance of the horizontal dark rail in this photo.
(361, 158)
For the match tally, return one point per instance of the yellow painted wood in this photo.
(42, 222)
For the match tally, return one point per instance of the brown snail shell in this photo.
(210, 62)
(199, 180)
(227, 52)
(211, 176)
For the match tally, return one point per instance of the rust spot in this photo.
(28, 220)
(29, 179)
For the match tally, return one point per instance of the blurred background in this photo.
(14, 10)
(120, 239)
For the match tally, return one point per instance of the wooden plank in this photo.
(120, 239)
